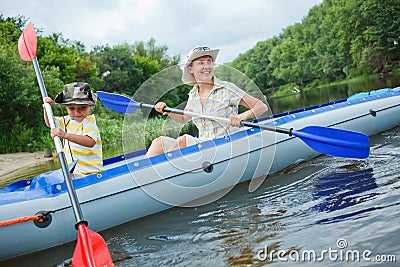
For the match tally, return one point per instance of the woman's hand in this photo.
(159, 107)
(235, 120)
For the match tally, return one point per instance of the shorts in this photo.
(169, 142)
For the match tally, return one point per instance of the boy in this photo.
(78, 130)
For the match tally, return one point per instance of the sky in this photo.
(234, 26)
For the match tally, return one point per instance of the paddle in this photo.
(331, 141)
(91, 250)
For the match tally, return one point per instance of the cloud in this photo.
(233, 26)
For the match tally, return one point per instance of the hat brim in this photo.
(59, 99)
(187, 77)
(77, 102)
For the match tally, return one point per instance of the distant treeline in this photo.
(336, 40)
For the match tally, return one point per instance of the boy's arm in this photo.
(83, 140)
(50, 101)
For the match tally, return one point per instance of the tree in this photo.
(63, 61)
(381, 35)
(117, 69)
(256, 65)
(337, 39)
(151, 50)
(147, 66)
(11, 28)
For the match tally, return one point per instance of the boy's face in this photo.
(78, 112)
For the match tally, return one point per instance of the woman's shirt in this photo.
(223, 101)
(90, 159)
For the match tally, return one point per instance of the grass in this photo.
(24, 139)
(123, 136)
(118, 135)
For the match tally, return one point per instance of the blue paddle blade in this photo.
(117, 102)
(335, 142)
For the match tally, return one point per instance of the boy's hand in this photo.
(57, 132)
(48, 100)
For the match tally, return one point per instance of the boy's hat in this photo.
(196, 52)
(76, 93)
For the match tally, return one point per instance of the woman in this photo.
(210, 97)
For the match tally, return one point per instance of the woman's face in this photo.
(202, 69)
(78, 112)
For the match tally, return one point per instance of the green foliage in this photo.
(18, 98)
(117, 69)
(165, 86)
(255, 63)
(147, 65)
(22, 138)
(122, 68)
(337, 39)
(138, 133)
(10, 28)
(110, 130)
(158, 53)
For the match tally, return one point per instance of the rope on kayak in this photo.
(37, 217)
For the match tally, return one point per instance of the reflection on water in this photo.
(331, 93)
(341, 190)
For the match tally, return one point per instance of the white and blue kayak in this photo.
(132, 186)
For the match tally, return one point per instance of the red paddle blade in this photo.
(91, 249)
(27, 43)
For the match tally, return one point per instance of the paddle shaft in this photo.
(57, 141)
(243, 123)
(331, 141)
(91, 250)
(300, 134)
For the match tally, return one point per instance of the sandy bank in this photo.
(17, 164)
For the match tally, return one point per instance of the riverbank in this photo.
(20, 165)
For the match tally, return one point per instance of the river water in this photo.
(328, 211)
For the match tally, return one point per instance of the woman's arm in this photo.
(256, 108)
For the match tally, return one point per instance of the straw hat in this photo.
(196, 52)
(76, 93)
